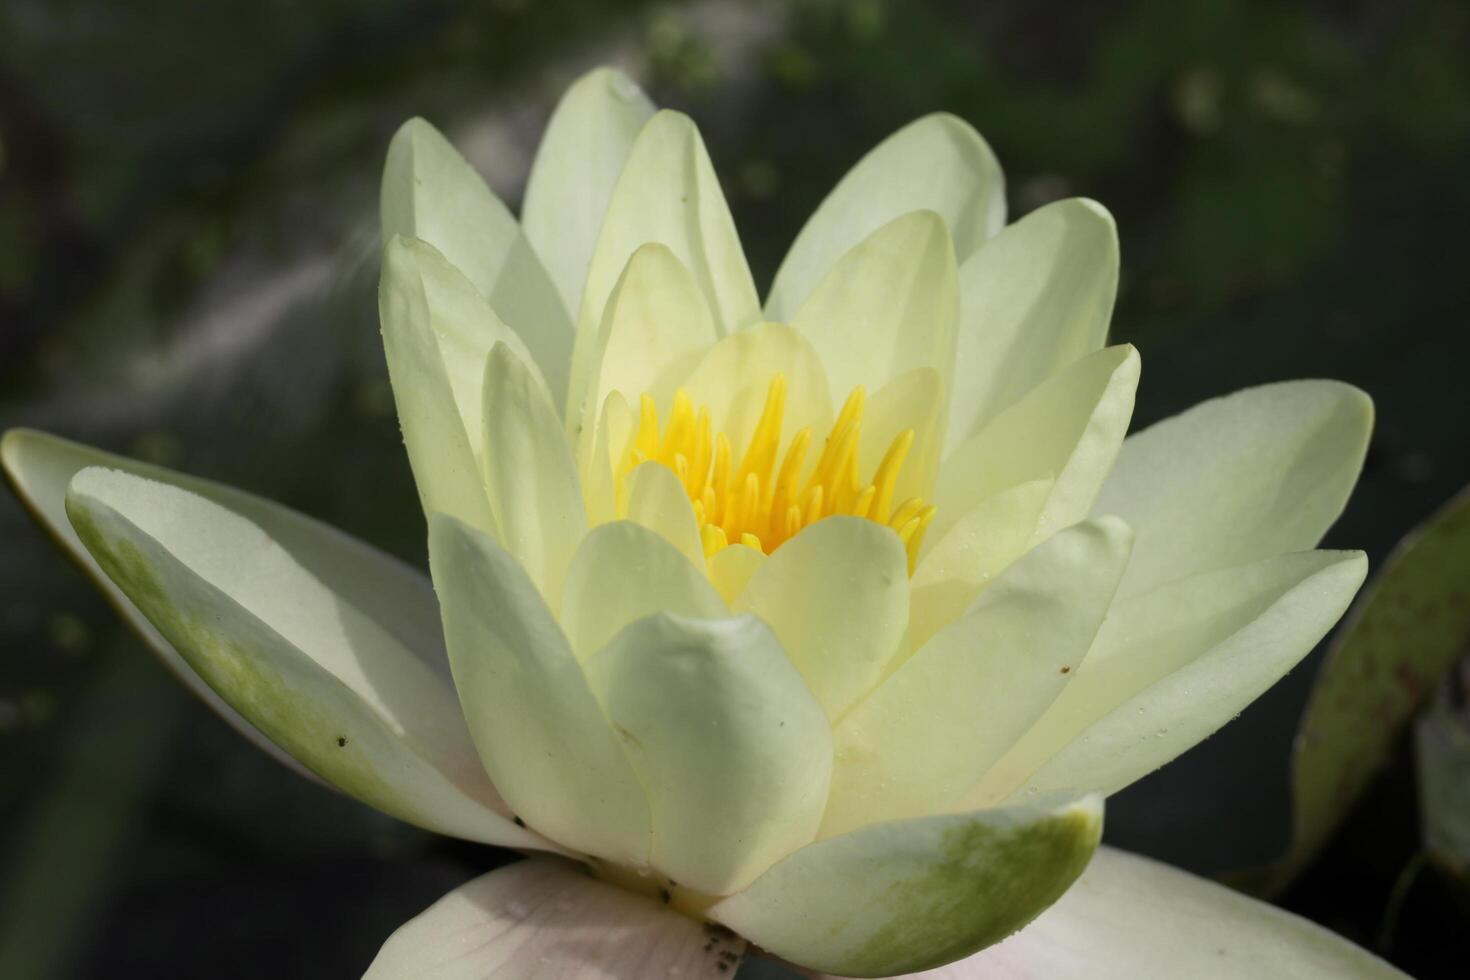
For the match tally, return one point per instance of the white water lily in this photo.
(822, 626)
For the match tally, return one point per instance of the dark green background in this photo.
(187, 252)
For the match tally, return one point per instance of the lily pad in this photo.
(1407, 629)
(1442, 757)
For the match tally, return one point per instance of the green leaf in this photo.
(1442, 760)
(1407, 629)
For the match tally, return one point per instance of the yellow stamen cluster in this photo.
(765, 498)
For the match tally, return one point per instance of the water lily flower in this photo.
(822, 626)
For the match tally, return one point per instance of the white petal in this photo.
(1067, 430)
(925, 736)
(733, 750)
(624, 572)
(1258, 473)
(529, 473)
(547, 920)
(1171, 666)
(437, 334)
(577, 165)
(913, 400)
(731, 569)
(837, 597)
(400, 598)
(655, 328)
(659, 502)
(430, 192)
(312, 672)
(538, 728)
(599, 469)
(980, 545)
(1129, 917)
(911, 894)
(668, 194)
(888, 305)
(734, 376)
(1033, 299)
(937, 163)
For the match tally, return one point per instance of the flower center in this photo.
(767, 497)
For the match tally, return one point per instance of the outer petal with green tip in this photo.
(40, 466)
(837, 597)
(734, 752)
(315, 674)
(937, 163)
(1033, 299)
(888, 305)
(1254, 474)
(537, 726)
(529, 473)
(577, 165)
(668, 194)
(1129, 917)
(928, 733)
(1173, 665)
(547, 919)
(430, 192)
(624, 572)
(1067, 430)
(909, 895)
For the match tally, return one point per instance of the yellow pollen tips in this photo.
(766, 497)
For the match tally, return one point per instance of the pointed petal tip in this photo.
(614, 79)
(1092, 207)
(413, 127)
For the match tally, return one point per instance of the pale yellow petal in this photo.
(937, 163)
(1033, 299)
(928, 733)
(888, 305)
